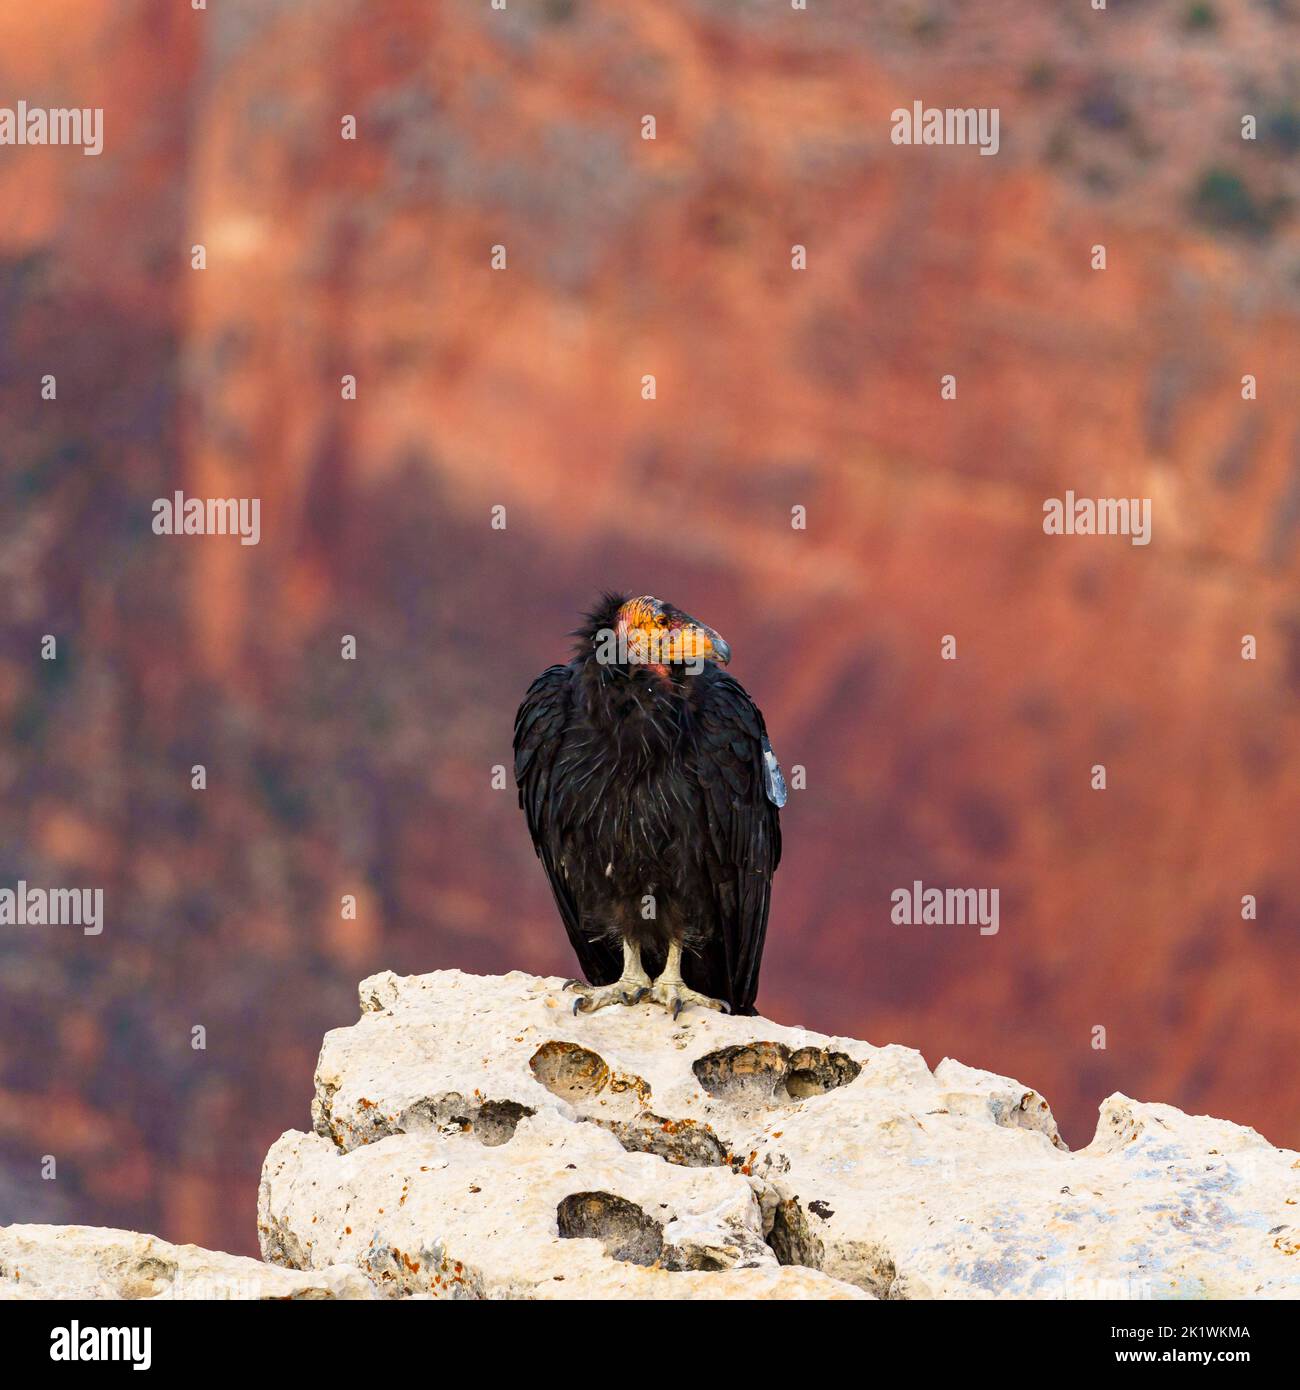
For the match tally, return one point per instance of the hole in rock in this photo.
(492, 1122)
(625, 1231)
(569, 1071)
(449, 1110)
(763, 1073)
(683, 1142)
(814, 1071)
(496, 1121)
(791, 1239)
(751, 1071)
(794, 1241)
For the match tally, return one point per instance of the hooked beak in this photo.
(657, 634)
(701, 643)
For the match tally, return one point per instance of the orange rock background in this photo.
(522, 388)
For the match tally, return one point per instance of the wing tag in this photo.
(775, 782)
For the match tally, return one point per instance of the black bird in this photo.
(652, 796)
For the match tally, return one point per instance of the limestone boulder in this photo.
(473, 1138)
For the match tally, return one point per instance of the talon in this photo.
(724, 1006)
(569, 984)
(641, 994)
(677, 1008)
(578, 1004)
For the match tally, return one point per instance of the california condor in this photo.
(652, 796)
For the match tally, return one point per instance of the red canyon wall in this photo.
(522, 388)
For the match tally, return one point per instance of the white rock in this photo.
(475, 1139)
(54, 1262)
(448, 1217)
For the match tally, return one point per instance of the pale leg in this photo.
(673, 993)
(627, 989)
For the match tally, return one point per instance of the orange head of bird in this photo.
(649, 632)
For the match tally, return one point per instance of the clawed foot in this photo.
(628, 990)
(674, 996)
